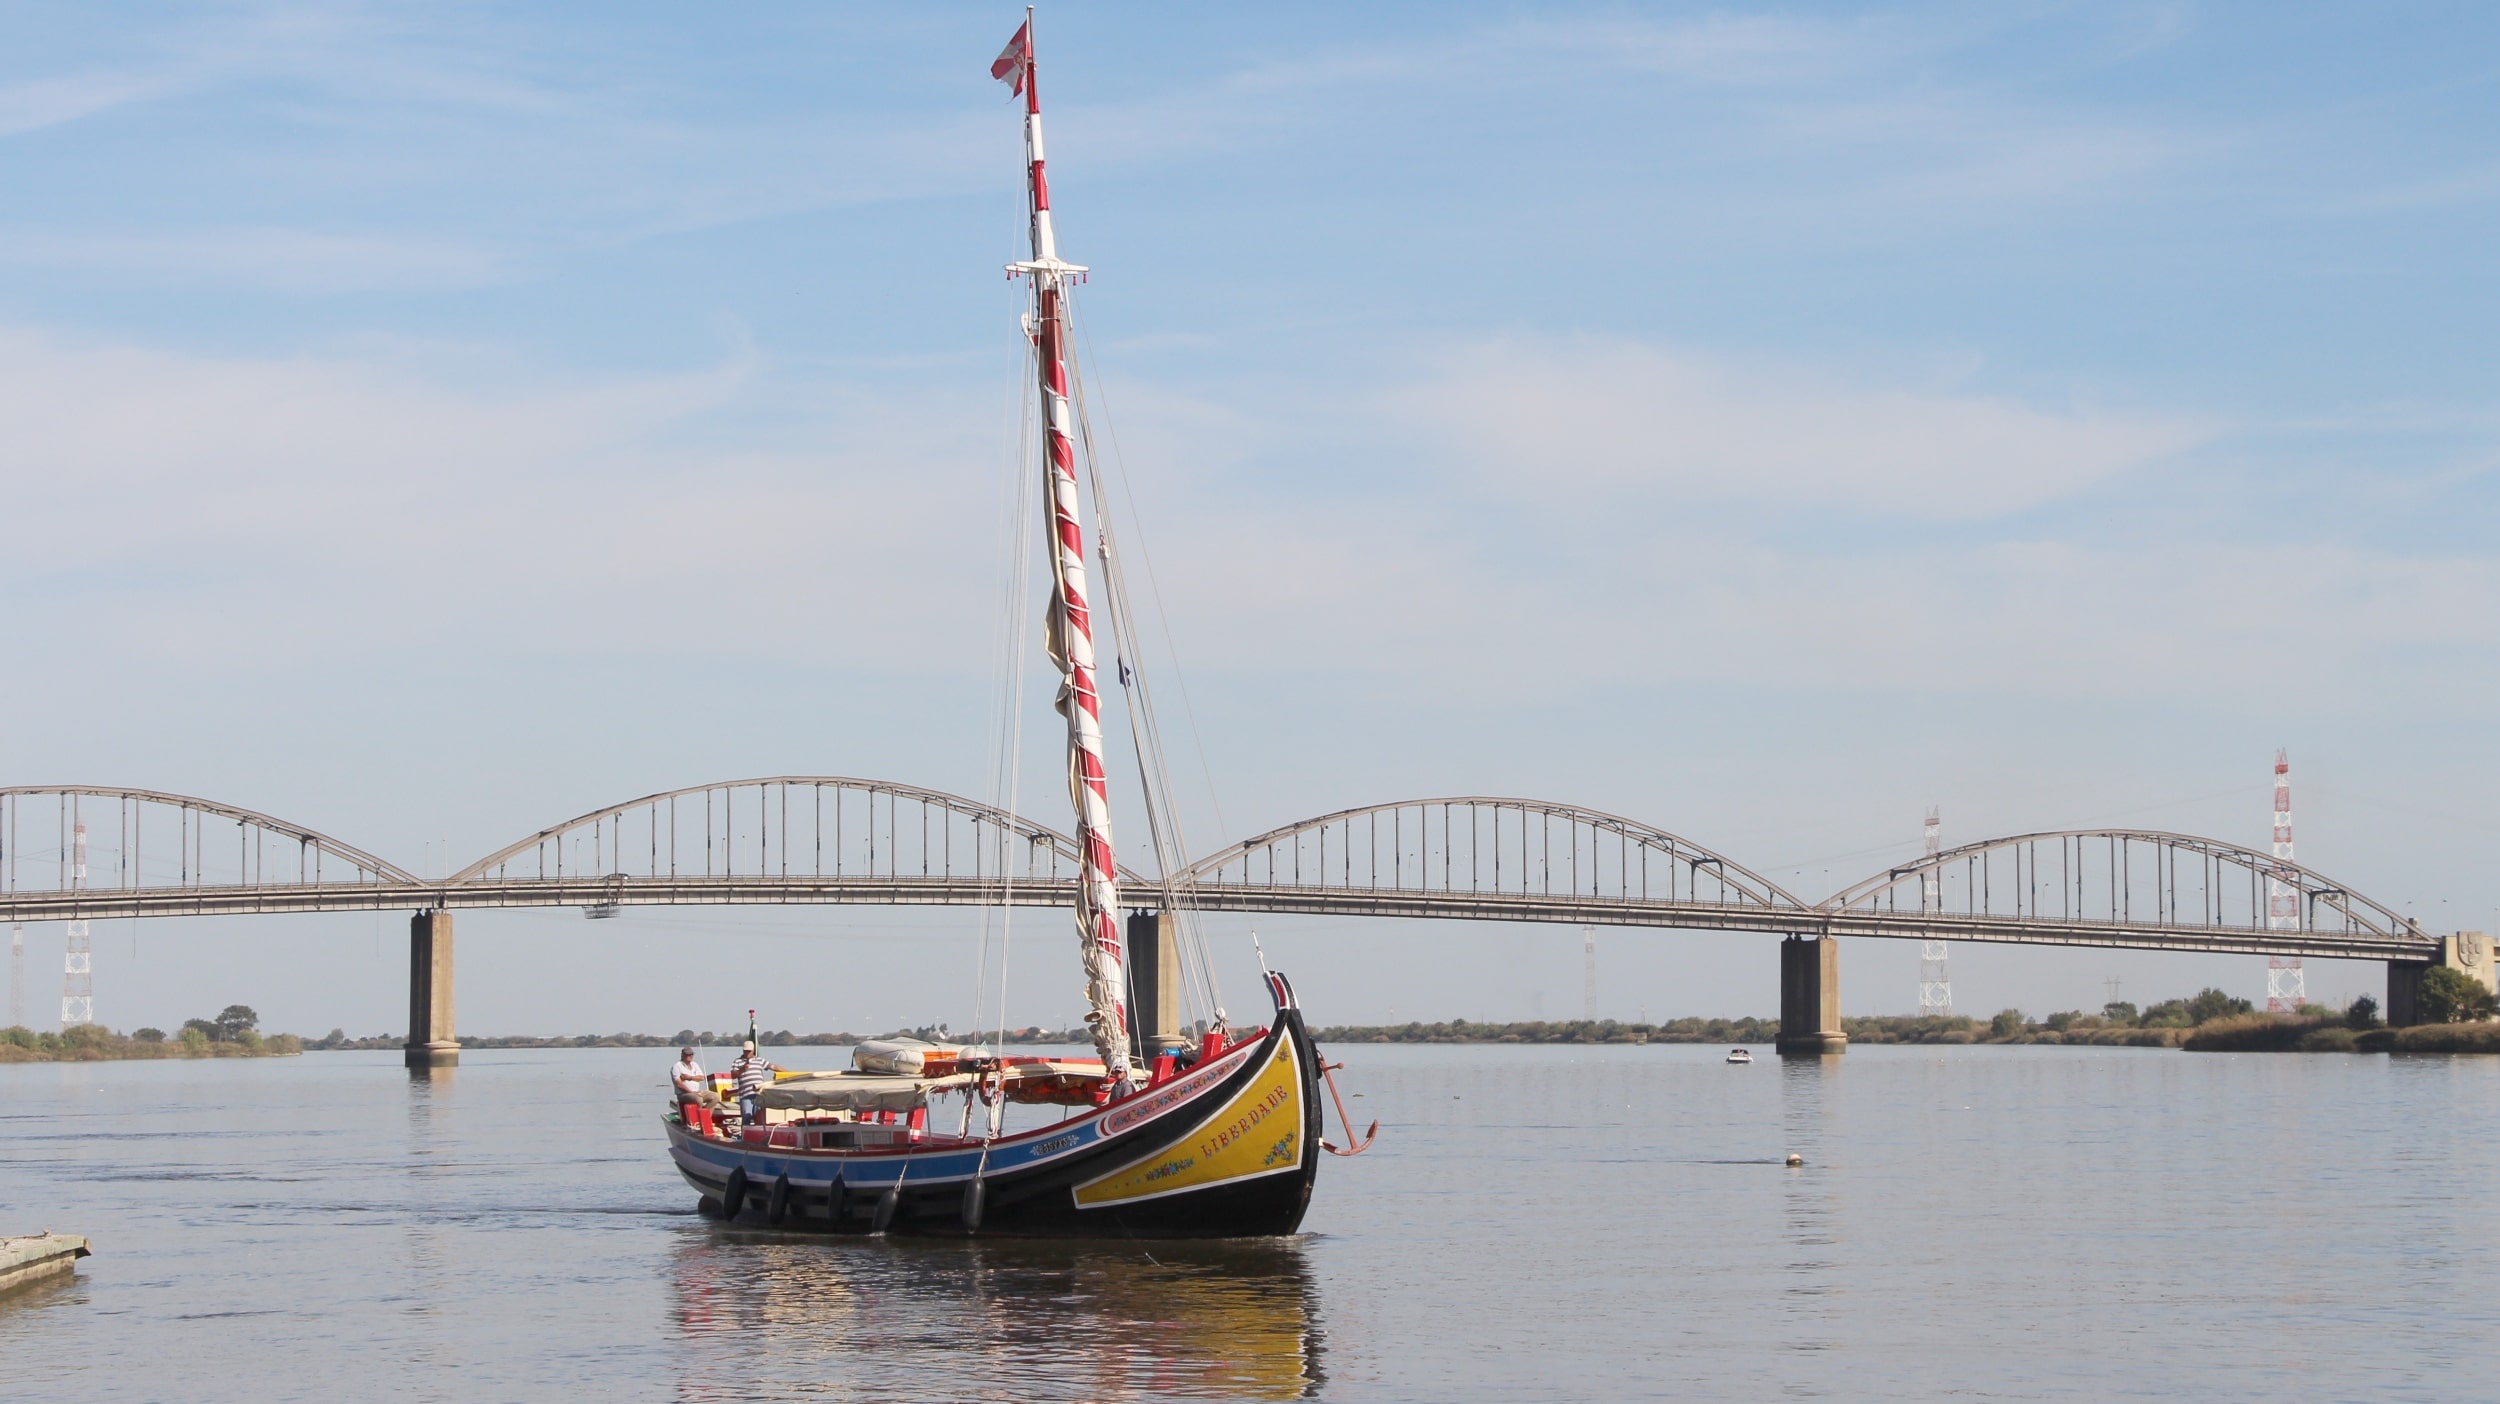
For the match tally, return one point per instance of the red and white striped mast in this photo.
(1069, 635)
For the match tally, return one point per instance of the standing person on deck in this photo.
(754, 1074)
(694, 1094)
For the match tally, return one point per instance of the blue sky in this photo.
(428, 423)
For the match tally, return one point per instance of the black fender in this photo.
(733, 1196)
(976, 1195)
(886, 1203)
(777, 1200)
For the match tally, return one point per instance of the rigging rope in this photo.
(1197, 973)
(1007, 740)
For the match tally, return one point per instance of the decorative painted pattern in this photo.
(1240, 1141)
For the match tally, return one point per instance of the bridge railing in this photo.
(798, 828)
(836, 839)
(1490, 848)
(2122, 877)
(152, 841)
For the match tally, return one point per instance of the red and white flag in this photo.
(1016, 59)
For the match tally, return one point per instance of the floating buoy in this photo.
(1796, 1160)
(733, 1196)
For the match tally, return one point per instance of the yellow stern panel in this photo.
(1258, 1132)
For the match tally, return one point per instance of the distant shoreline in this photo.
(769, 1038)
(2240, 1032)
(2264, 1033)
(87, 1043)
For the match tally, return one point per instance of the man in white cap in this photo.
(754, 1074)
(694, 1093)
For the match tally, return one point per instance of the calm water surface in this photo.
(1535, 1223)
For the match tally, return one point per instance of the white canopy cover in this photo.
(858, 1091)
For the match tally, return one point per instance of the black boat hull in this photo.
(1227, 1150)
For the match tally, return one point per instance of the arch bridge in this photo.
(811, 839)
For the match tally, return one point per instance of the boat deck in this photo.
(36, 1256)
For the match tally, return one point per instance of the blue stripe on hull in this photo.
(1030, 1180)
(707, 1163)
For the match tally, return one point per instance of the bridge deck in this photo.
(1290, 900)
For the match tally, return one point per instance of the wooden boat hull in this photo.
(1228, 1150)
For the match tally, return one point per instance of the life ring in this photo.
(733, 1196)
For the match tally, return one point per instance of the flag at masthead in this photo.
(1010, 65)
(1069, 631)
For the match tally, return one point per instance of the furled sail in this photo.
(1069, 631)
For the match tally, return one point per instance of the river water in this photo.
(1534, 1223)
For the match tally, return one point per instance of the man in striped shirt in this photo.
(754, 1074)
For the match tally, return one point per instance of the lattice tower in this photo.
(78, 963)
(2286, 986)
(1935, 982)
(1588, 972)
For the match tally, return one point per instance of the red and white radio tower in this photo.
(2286, 989)
(1935, 983)
(78, 962)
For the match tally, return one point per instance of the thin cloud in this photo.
(357, 500)
(293, 260)
(50, 102)
(1566, 421)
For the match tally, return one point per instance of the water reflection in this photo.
(759, 1315)
(1809, 1088)
(431, 1160)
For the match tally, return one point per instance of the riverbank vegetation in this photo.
(2208, 1020)
(234, 1033)
(2008, 1027)
(1746, 1030)
(2163, 1025)
(2455, 1007)
(337, 1039)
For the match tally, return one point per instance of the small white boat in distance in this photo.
(1739, 1055)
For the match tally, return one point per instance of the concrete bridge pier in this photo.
(2469, 951)
(431, 1042)
(2404, 992)
(1154, 983)
(1810, 996)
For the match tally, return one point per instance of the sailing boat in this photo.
(1215, 1137)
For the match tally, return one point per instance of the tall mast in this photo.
(1069, 633)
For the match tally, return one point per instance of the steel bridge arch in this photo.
(2123, 886)
(1039, 837)
(312, 844)
(1486, 815)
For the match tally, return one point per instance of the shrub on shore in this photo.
(2445, 1038)
(2333, 1033)
(2252, 1033)
(2450, 996)
(94, 1043)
